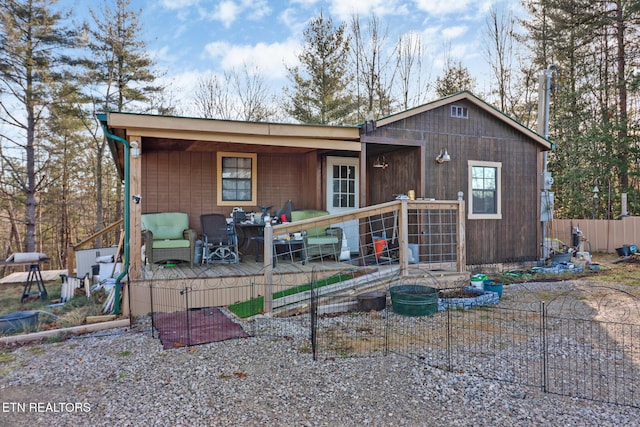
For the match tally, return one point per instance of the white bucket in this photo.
(477, 281)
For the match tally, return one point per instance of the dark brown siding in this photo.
(185, 181)
(480, 137)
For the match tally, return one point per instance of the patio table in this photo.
(291, 246)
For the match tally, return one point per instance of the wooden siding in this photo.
(480, 137)
(186, 182)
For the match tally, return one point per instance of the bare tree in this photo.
(213, 97)
(375, 69)
(498, 51)
(409, 61)
(255, 101)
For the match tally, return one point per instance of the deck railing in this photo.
(430, 234)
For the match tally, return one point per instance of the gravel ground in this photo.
(125, 378)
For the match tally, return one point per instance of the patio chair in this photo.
(220, 241)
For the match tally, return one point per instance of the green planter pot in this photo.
(414, 300)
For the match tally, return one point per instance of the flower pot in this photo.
(414, 300)
(490, 286)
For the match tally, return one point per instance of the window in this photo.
(485, 190)
(459, 111)
(344, 186)
(237, 179)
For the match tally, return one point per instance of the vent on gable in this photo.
(459, 111)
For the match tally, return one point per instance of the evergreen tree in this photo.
(593, 45)
(32, 42)
(320, 92)
(456, 78)
(120, 77)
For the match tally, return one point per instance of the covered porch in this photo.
(421, 238)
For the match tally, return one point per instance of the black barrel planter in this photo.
(372, 301)
(414, 300)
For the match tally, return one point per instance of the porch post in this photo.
(460, 239)
(268, 269)
(135, 211)
(403, 241)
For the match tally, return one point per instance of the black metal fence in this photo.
(581, 343)
(572, 340)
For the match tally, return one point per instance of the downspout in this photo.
(125, 269)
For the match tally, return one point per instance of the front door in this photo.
(343, 193)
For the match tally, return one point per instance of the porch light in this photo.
(443, 157)
(135, 149)
(381, 162)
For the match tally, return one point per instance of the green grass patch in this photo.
(255, 306)
(6, 357)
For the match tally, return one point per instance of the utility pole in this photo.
(545, 86)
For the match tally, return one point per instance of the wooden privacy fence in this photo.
(604, 235)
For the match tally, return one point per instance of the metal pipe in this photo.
(127, 148)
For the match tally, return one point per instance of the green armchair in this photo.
(319, 242)
(167, 237)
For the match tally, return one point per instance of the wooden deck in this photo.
(248, 268)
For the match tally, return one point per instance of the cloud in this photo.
(229, 11)
(439, 7)
(270, 59)
(179, 4)
(454, 32)
(344, 10)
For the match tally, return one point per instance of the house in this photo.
(460, 146)
(455, 147)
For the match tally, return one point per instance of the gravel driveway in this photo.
(125, 378)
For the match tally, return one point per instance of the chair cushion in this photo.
(326, 240)
(308, 214)
(166, 225)
(170, 244)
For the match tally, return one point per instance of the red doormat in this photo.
(193, 327)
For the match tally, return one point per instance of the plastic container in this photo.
(375, 300)
(415, 253)
(491, 286)
(477, 281)
(18, 321)
(414, 300)
(624, 251)
(379, 246)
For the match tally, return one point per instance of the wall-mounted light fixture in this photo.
(381, 163)
(443, 157)
(135, 149)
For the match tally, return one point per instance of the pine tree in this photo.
(456, 78)
(320, 83)
(32, 42)
(119, 73)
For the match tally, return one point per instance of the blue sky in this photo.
(191, 38)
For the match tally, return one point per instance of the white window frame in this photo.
(498, 167)
(459, 111)
(254, 179)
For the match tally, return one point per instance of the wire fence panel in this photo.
(593, 360)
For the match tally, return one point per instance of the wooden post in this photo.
(268, 269)
(460, 238)
(135, 212)
(403, 241)
(71, 259)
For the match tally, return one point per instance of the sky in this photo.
(193, 38)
